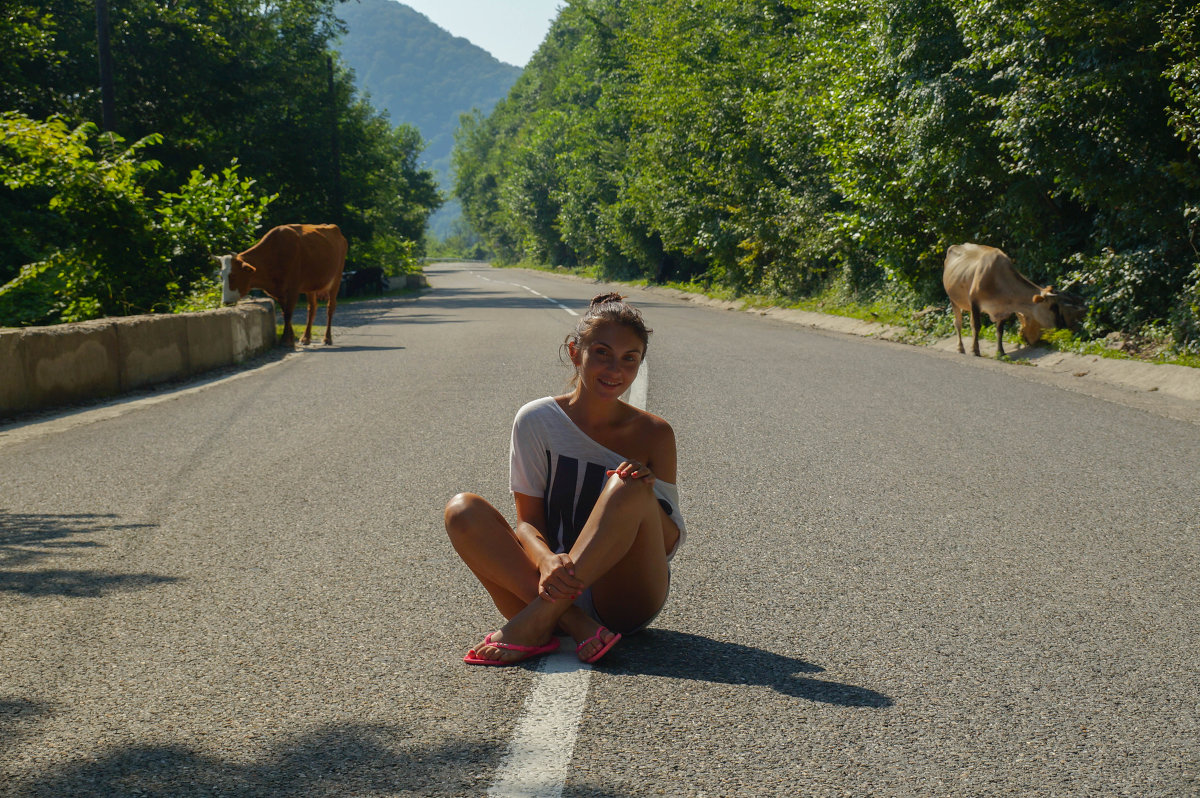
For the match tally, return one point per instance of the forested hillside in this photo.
(419, 73)
(790, 146)
(229, 116)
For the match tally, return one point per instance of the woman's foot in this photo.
(526, 631)
(520, 652)
(597, 645)
(591, 638)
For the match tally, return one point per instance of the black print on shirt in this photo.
(564, 517)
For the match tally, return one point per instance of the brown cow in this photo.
(981, 279)
(290, 260)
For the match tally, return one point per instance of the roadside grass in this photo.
(1150, 349)
(921, 326)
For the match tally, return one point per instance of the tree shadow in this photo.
(350, 759)
(461, 299)
(336, 347)
(28, 540)
(679, 655)
(16, 713)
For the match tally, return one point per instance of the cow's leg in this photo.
(312, 314)
(289, 307)
(330, 304)
(976, 323)
(1000, 335)
(958, 325)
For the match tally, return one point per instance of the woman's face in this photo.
(608, 360)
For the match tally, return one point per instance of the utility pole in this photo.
(335, 146)
(108, 101)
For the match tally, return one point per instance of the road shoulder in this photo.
(1163, 389)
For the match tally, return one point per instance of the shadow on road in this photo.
(460, 299)
(16, 714)
(351, 759)
(336, 347)
(660, 652)
(29, 540)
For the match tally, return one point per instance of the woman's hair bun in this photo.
(601, 299)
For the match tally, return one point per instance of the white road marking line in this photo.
(530, 290)
(636, 395)
(544, 739)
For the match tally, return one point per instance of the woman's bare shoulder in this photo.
(660, 437)
(646, 423)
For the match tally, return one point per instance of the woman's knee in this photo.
(464, 512)
(632, 493)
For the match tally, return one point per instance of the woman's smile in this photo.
(610, 361)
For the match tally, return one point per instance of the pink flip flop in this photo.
(528, 651)
(602, 651)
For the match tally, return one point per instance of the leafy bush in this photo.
(198, 85)
(393, 254)
(96, 243)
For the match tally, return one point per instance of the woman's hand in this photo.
(632, 469)
(557, 578)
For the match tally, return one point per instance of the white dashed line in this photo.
(544, 739)
(530, 290)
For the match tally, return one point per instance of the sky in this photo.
(508, 29)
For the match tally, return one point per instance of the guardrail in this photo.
(47, 367)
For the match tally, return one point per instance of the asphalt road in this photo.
(907, 573)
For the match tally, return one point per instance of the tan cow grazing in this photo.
(981, 279)
(288, 261)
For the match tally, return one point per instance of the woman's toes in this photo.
(593, 643)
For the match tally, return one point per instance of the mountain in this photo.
(422, 75)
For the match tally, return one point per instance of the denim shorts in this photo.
(585, 603)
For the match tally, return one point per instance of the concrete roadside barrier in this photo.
(69, 362)
(210, 339)
(13, 386)
(46, 367)
(151, 349)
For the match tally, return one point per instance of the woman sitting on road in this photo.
(597, 510)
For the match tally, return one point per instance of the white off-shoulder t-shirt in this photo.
(551, 457)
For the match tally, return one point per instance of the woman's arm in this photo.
(531, 525)
(663, 462)
(557, 571)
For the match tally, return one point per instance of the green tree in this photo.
(93, 240)
(787, 146)
(201, 84)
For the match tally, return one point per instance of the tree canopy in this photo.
(245, 93)
(782, 146)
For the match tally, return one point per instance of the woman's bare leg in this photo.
(620, 554)
(490, 548)
(626, 538)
